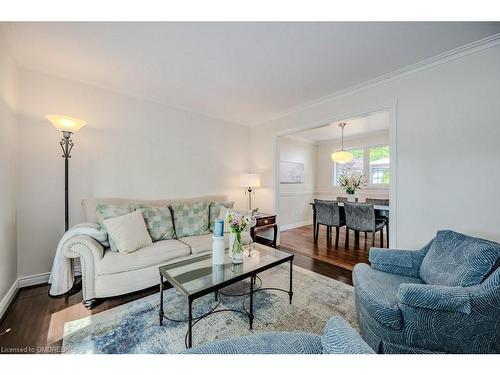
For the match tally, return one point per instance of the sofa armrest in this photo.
(82, 245)
(341, 338)
(435, 297)
(90, 252)
(398, 262)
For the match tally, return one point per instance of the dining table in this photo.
(381, 211)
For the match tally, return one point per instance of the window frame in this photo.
(366, 165)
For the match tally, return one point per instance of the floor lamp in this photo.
(67, 125)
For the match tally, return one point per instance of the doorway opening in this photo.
(307, 171)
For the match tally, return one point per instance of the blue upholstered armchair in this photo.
(443, 298)
(339, 338)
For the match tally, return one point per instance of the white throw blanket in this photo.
(62, 275)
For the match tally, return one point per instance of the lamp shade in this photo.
(342, 157)
(249, 180)
(66, 123)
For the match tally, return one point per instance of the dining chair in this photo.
(328, 214)
(380, 214)
(344, 199)
(360, 217)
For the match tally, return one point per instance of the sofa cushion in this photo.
(105, 211)
(378, 292)
(89, 204)
(158, 253)
(215, 213)
(199, 244)
(455, 259)
(158, 221)
(190, 219)
(128, 232)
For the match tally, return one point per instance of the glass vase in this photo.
(236, 247)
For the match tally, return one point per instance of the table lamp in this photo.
(249, 181)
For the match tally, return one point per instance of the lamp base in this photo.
(249, 199)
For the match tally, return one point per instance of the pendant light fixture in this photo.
(342, 156)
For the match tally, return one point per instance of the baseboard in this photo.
(41, 278)
(23, 282)
(295, 225)
(8, 298)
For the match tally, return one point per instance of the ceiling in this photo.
(245, 72)
(357, 126)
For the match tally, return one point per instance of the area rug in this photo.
(134, 327)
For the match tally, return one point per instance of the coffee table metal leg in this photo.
(250, 316)
(290, 293)
(161, 299)
(190, 324)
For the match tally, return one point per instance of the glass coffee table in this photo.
(198, 277)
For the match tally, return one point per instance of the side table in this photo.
(264, 221)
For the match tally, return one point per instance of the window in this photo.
(356, 164)
(379, 165)
(372, 161)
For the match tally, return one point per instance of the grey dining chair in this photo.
(360, 217)
(328, 214)
(380, 214)
(344, 199)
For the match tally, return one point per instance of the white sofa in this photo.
(106, 273)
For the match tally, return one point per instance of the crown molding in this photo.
(456, 53)
(468, 49)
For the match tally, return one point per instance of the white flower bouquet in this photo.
(351, 181)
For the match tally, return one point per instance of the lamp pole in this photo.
(250, 200)
(67, 125)
(66, 146)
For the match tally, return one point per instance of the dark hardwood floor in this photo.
(36, 321)
(300, 241)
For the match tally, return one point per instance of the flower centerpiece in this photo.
(351, 181)
(237, 224)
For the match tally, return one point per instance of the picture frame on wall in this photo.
(291, 172)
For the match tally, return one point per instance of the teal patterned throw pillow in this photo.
(158, 221)
(105, 211)
(214, 210)
(190, 219)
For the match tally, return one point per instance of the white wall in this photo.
(8, 155)
(324, 179)
(130, 148)
(448, 153)
(295, 198)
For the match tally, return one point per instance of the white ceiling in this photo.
(245, 73)
(356, 126)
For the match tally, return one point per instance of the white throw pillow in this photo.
(129, 232)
